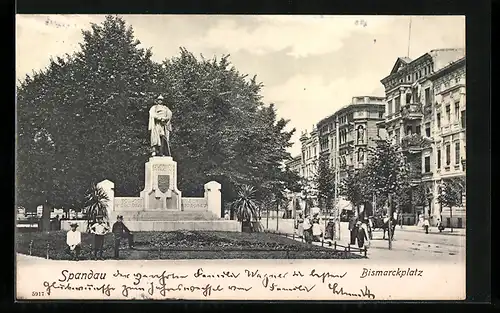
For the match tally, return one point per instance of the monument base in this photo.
(160, 185)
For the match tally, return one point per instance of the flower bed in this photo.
(183, 245)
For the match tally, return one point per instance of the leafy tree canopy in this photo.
(84, 119)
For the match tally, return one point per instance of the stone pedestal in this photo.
(160, 187)
(213, 198)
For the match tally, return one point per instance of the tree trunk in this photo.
(277, 215)
(45, 220)
(451, 219)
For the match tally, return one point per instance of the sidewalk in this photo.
(432, 230)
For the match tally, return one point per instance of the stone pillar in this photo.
(160, 191)
(109, 188)
(213, 197)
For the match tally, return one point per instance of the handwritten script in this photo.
(203, 283)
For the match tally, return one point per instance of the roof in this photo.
(343, 108)
(447, 68)
(400, 61)
(405, 61)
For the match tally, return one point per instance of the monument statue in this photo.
(160, 127)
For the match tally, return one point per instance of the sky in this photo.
(310, 65)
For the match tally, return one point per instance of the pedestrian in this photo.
(426, 225)
(316, 229)
(300, 226)
(366, 227)
(330, 229)
(99, 229)
(121, 231)
(353, 229)
(74, 242)
(439, 225)
(307, 229)
(370, 227)
(226, 215)
(361, 235)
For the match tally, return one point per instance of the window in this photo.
(448, 113)
(439, 158)
(397, 132)
(457, 153)
(380, 114)
(408, 130)
(448, 155)
(389, 107)
(427, 94)
(427, 164)
(417, 130)
(457, 111)
(462, 117)
(361, 133)
(428, 129)
(438, 120)
(361, 155)
(397, 104)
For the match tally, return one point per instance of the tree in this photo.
(325, 182)
(385, 173)
(91, 110)
(246, 205)
(95, 204)
(89, 113)
(451, 193)
(222, 129)
(353, 188)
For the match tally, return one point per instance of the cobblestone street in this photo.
(411, 244)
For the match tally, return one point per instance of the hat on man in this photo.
(73, 224)
(160, 97)
(358, 223)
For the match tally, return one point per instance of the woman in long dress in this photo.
(307, 229)
(316, 229)
(300, 226)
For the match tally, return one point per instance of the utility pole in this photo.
(389, 229)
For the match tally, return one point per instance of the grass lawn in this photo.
(182, 245)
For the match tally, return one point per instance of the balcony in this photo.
(412, 111)
(415, 143)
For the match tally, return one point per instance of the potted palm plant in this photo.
(95, 204)
(246, 207)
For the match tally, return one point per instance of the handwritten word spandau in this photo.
(399, 272)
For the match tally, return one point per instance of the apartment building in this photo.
(345, 135)
(418, 101)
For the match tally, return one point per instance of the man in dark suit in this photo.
(121, 231)
(353, 229)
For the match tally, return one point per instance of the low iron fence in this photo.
(336, 248)
(328, 243)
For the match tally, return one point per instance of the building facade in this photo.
(295, 164)
(413, 122)
(310, 153)
(449, 131)
(346, 135)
